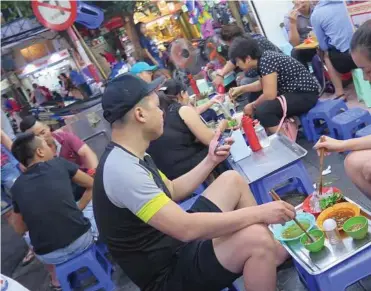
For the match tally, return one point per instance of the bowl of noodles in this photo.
(290, 230)
(340, 212)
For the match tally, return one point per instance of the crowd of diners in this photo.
(160, 152)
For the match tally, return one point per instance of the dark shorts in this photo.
(196, 267)
(342, 62)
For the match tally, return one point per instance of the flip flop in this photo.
(29, 257)
(54, 288)
(342, 96)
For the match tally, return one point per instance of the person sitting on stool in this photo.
(279, 75)
(334, 32)
(298, 26)
(44, 206)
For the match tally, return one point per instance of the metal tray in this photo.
(281, 152)
(331, 255)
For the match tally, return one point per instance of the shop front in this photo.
(45, 71)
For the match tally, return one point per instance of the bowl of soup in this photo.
(318, 240)
(340, 212)
(356, 227)
(290, 230)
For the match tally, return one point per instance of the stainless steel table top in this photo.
(279, 153)
(331, 255)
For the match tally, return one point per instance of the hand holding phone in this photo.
(221, 141)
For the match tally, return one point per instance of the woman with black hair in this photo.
(279, 75)
(153, 54)
(184, 143)
(228, 33)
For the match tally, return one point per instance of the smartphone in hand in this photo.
(221, 141)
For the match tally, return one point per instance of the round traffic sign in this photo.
(56, 15)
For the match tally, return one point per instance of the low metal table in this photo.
(280, 153)
(336, 266)
(274, 165)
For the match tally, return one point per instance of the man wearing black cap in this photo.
(160, 246)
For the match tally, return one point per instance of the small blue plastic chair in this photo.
(294, 173)
(305, 126)
(347, 123)
(324, 111)
(339, 277)
(97, 266)
(364, 131)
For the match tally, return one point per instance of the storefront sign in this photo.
(359, 12)
(113, 23)
(43, 62)
(56, 15)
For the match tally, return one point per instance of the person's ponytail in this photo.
(166, 101)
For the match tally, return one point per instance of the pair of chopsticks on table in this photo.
(277, 198)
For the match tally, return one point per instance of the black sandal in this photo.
(342, 96)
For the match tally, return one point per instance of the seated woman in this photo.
(279, 75)
(358, 162)
(228, 33)
(185, 140)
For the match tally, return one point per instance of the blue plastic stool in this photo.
(187, 204)
(92, 260)
(339, 277)
(306, 128)
(364, 131)
(295, 171)
(324, 110)
(348, 122)
(103, 251)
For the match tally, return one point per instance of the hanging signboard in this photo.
(56, 15)
(359, 12)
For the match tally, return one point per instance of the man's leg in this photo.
(358, 168)
(335, 76)
(253, 250)
(229, 192)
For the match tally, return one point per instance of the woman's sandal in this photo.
(54, 288)
(342, 96)
(29, 257)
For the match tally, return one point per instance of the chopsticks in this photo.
(321, 158)
(275, 197)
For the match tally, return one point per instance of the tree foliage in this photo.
(12, 10)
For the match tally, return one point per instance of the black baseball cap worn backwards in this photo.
(123, 93)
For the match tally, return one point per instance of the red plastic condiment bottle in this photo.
(220, 89)
(193, 84)
(248, 127)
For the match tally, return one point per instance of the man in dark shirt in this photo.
(44, 204)
(160, 246)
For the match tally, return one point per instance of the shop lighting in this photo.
(29, 68)
(54, 58)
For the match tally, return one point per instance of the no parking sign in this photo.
(56, 15)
